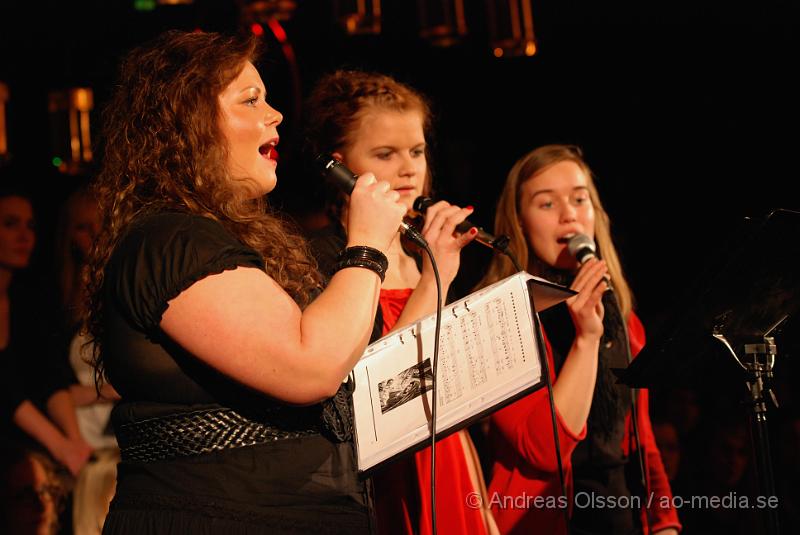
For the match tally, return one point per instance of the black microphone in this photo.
(500, 243)
(336, 172)
(582, 248)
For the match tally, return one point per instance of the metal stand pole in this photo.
(759, 360)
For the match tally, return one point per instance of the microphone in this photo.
(500, 243)
(582, 248)
(336, 172)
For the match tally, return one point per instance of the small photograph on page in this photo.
(405, 386)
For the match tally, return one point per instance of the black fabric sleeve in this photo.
(29, 370)
(162, 255)
(326, 244)
(12, 388)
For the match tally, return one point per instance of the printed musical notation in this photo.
(487, 356)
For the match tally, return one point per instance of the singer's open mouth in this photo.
(268, 151)
(565, 238)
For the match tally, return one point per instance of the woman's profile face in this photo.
(84, 226)
(390, 144)
(249, 126)
(554, 205)
(30, 505)
(17, 235)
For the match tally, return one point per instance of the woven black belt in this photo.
(195, 433)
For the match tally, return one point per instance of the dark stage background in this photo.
(687, 110)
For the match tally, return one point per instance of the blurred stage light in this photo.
(442, 22)
(4, 95)
(511, 28)
(358, 16)
(144, 5)
(261, 11)
(70, 128)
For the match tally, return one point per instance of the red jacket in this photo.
(525, 491)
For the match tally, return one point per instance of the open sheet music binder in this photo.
(488, 357)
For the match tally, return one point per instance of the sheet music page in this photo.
(487, 354)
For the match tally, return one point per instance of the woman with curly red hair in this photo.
(207, 311)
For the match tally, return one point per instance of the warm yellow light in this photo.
(362, 18)
(351, 23)
(3, 138)
(73, 105)
(82, 98)
(511, 28)
(442, 22)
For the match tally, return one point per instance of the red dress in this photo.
(525, 491)
(402, 489)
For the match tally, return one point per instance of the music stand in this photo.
(754, 292)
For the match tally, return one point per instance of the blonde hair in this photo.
(507, 219)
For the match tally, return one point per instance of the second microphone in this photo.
(500, 243)
(335, 171)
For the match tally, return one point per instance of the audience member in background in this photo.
(79, 223)
(722, 471)
(669, 444)
(787, 471)
(30, 492)
(37, 409)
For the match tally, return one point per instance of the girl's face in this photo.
(17, 236)
(554, 205)
(85, 226)
(249, 125)
(390, 144)
(30, 507)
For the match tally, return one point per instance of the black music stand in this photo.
(738, 310)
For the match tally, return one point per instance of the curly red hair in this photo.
(163, 150)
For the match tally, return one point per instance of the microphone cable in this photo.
(500, 244)
(343, 178)
(554, 421)
(434, 370)
(502, 241)
(537, 324)
(582, 247)
(635, 415)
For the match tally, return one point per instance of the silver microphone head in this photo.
(582, 247)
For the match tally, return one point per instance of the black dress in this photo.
(29, 371)
(301, 480)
